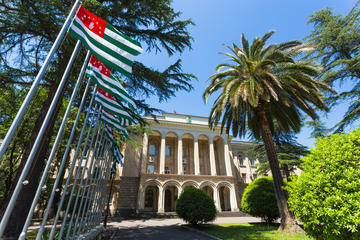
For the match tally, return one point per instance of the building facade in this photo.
(182, 151)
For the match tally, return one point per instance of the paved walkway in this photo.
(164, 229)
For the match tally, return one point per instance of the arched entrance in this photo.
(151, 198)
(171, 195)
(224, 194)
(209, 191)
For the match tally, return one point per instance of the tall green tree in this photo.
(262, 84)
(288, 150)
(27, 31)
(337, 40)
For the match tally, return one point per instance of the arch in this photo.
(217, 138)
(190, 184)
(155, 133)
(171, 134)
(209, 184)
(152, 182)
(170, 183)
(224, 184)
(151, 195)
(187, 135)
(224, 197)
(203, 137)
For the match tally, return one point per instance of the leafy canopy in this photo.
(265, 78)
(337, 41)
(195, 206)
(259, 199)
(326, 196)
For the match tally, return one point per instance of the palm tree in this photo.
(262, 85)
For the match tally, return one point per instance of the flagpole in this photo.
(27, 166)
(108, 200)
(54, 148)
(35, 84)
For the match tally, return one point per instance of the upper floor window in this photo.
(151, 159)
(167, 150)
(254, 176)
(184, 160)
(152, 149)
(241, 159)
(167, 170)
(252, 162)
(261, 160)
(150, 169)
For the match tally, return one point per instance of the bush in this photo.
(259, 199)
(326, 196)
(195, 206)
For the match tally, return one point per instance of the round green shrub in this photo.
(195, 206)
(326, 196)
(259, 199)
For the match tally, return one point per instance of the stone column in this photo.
(233, 202)
(227, 158)
(145, 148)
(212, 157)
(162, 154)
(196, 156)
(180, 156)
(161, 208)
(141, 201)
(217, 199)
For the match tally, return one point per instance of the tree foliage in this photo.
(259, 199)
(326, 196)
(337, 41)
(195, 206)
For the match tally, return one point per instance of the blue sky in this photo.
(218, 22)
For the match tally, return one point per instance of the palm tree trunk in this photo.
(288, 222)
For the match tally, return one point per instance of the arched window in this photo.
(149, 198)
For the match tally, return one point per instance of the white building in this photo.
(182, 152)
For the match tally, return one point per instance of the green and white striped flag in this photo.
(111, 47)
(103, 78)
(114, 147)
(109, 104)
(110, 119)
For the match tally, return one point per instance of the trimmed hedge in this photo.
(259, 199)
(195, 206)
(326, 196)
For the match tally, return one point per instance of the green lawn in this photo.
(249, 232)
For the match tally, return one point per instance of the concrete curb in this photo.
(199, 232)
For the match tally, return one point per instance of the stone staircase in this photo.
(128, 193)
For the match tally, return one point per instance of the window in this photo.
(151, 159)
(252, 162)
(184, 170)
(167, 170)
(243, 177)
(254, 176)
(150, 169)
(152, 149)
(241, 160)
(167, 150)
(184, 160)
(261, 160)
